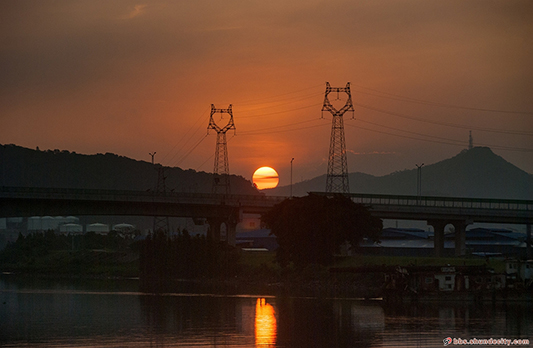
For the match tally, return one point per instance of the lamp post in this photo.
(291, 176)
(419, 181)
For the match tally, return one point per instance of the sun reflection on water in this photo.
(265, 324)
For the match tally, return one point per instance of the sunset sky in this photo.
(136, 77)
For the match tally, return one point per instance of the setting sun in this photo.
(265, 177)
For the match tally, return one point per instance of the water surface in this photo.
(113, 313)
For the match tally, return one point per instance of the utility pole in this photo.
(337, 177)
(291, 176)
(160, 222)
(470, 141)
(419, 181)
(221, 168)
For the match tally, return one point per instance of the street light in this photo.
(291, 176)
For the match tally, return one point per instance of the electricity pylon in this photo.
(337, 178)
(221, 169)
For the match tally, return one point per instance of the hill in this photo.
(23, 167)
(475, 173)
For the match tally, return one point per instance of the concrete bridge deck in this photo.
(218, 208)
(449, 208)
(24, 201)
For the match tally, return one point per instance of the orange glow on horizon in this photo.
(265, 178)
(265, 324)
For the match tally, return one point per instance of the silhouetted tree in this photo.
(311, 229)
(164, 258)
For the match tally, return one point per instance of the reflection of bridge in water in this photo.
(228, 209)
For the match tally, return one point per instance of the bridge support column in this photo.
(231, 233)
(214, 229)
(438, 236)
(460, 237)
(529, 254)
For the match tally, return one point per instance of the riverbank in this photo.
(257, 273)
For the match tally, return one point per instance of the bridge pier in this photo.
(529, 254)
(215, 228)
(231, 233)
(213, 233)
(460, 235)
(438, 236)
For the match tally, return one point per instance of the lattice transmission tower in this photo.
(221, 183)
(337, 178)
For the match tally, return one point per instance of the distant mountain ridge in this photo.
(474, 173)
(23, 167)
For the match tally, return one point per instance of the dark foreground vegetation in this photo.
(195, 264)
(91, 254)
(309, 230)
(165, 259)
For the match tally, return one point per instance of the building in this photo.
(483, 242)
(446, 282)
(70, 228)
(520, 272)
(98, 228)
(257, 239)
(403, 242)
(493, 242)
(46, 223)
(124, 229)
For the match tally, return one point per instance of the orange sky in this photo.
(135, 77)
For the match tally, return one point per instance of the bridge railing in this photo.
(261, 199)
(128, 195)
(446, 202)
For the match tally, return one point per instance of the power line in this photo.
(424, 102)
(198, 126)
(401, 130)
(447, 124)
(279, 103)
(281, 112)
(284, 130)
(259, 101)
(189, 152)
(294, 98)
(209, 158)
(444, 141)
(276, 129)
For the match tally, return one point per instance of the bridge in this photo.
(216, 208)
(228, 209)
(442, 211)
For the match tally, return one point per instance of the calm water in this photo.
(114, 314)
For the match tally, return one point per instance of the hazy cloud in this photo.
(135, 12)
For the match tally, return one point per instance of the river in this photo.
(113, 313)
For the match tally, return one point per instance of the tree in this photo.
(311, 229)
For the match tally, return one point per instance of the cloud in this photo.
(136, 12)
